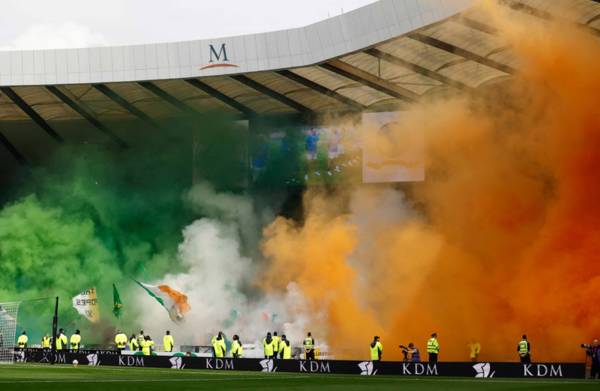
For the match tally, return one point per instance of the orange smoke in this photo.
(503, 237)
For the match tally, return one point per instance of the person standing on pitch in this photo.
(309, 347)
(593, 351)
(121, 340)
(46, 342)
(22, 340)
(524, 350)
(237, 350)
(61, 340)
(376, 349)
(276, 342)
(410, 353)
(433, 348)
(218, 344)
(168, 342)
(147, 346)
(141, 338)
(133, 343)
(268, 346)
(285, 348)
(75, 341)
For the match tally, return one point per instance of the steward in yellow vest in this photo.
(168, 342)
(46, 342)
(524, 349)
(376, 349)
(61, 340)
(147, 345)
(276, 341)
(22, 340)
(218, 344)
(75, 341)
(121, 340)
(309, 347)
(237, 350)
(285, 348)
(433, 348)
(133, 343)
(268, 346)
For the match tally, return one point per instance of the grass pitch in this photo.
(64, 378)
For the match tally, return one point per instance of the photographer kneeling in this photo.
(593, 351)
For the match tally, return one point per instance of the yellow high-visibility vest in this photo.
(237, 350)
(286, 348)
(219, 347)
(268, 347)
(75, 341)
(523, 348)
(376, 350)
(121, 340)
(22, 341)
(133, 344)
(168, 343)
(147, 347)
(61, 342)
(276, 341)
(46, 342)
(309, 343)
(433, 346)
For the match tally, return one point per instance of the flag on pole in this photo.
(117, 304)
(175, 302)
(86, 303)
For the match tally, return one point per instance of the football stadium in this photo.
(404, 195)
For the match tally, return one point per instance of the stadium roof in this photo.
(374, 58)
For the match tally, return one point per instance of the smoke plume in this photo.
(501, 239)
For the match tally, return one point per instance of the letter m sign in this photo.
(220, 55)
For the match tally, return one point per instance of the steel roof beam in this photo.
(213, 92)
(118, 99)
(476, 25)
(321, 89)
(87, 115)
(12, 95)
(13, 150)
(271, 93)
(368, 79)
(526, 8)
(426, 39)
(164, 95)
(417, 69)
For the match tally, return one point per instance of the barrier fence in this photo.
(365, 368)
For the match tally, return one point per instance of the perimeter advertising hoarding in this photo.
(364, 368)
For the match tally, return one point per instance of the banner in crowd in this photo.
(364, 368)
(86, 304)
(391, 151)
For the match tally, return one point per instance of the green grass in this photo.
(83, 378)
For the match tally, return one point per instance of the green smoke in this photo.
(91, 215)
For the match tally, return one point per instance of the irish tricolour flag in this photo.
(174, 302)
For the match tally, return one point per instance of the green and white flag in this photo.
(174, 301)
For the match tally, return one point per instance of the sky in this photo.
(53, 24)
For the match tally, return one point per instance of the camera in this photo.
(585, 346)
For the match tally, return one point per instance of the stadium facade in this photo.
(375, 58)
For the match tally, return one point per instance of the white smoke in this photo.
(218, 278)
